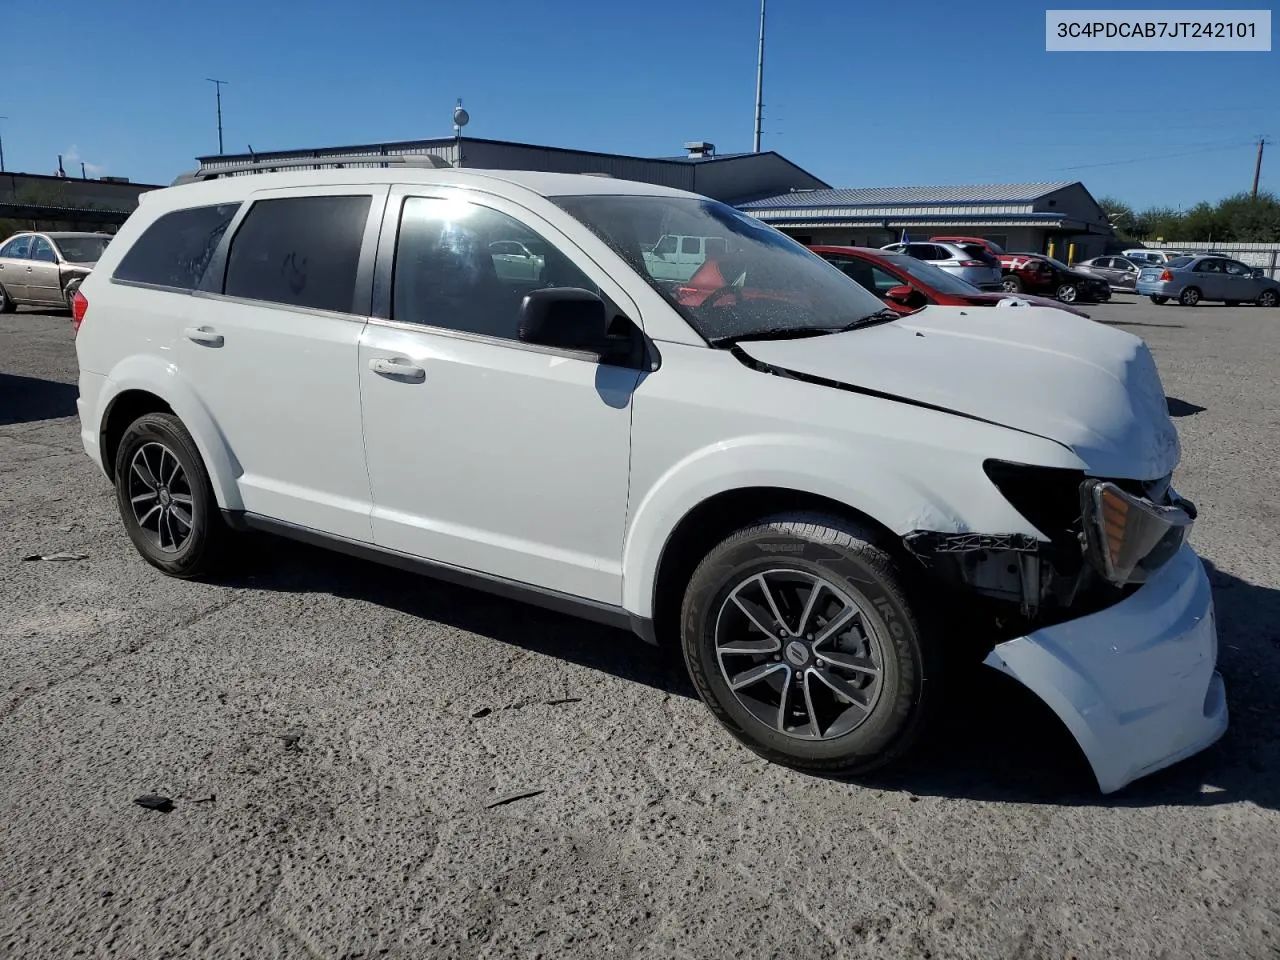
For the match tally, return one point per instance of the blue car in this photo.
(1189, 280)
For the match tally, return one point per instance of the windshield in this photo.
(82, 249)
(931, 276)
(750, 280)
(1057, 263)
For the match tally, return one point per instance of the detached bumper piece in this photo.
(1134, 683)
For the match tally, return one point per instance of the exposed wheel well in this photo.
(715, 519)
(124, 409)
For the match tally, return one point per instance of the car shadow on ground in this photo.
(992, 740)
(27, 399)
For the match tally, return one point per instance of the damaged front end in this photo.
(1108, 618)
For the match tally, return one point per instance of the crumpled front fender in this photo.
(1136, 683)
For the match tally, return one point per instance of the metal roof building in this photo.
(1018, 216)
(733, 178)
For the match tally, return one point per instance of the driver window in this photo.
(41, 250)
(454, 269)
(1237, 269)
(667, 245)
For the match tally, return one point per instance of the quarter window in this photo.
(175, 250)
(300, 251)
(18, 249)
(447, 273)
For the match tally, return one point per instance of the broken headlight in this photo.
(1127, 536)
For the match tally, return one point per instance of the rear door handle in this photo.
(205, 335)
(398, 369)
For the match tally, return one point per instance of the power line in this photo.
(1162, 156)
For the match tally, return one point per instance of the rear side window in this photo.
(301, 251)
(19, 249)
(175, 250)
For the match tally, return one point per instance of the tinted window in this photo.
(446, 274)
(19, 248)
(82, 249)
(1104, 262)
(924, 251)
(977, 252)
(41, 250)
(690, 245)
(301, 251)
(174, 251)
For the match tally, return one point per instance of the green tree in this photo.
(1160, 222)
(1205, 222)
(1121, 217)
(1251, 219)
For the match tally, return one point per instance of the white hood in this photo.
(1088, 386)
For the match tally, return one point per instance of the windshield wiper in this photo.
(871, 319)
(773, 333)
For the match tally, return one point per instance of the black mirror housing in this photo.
(567, 317)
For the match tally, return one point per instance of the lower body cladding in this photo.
(1117, 625)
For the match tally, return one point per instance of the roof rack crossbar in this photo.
(427, 160)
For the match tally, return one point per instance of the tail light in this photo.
(79, 307)
(972, 263)
(1165, 276)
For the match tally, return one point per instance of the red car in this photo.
(1035, 272)
(992, 248)
(906, 284)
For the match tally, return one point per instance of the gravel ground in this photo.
(365, 763)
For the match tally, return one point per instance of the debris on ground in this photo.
(211, 798)
(563, 700)
(482, 712)
(155, 801)
(55, 557)
(512, 798)
(291, 740)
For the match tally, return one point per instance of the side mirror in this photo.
(905, 295)
(571, 318)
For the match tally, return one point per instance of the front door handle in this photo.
(398, 369)
(204, 335)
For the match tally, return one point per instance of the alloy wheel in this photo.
(800, 653)
(160, 496)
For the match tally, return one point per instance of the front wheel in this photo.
(69, 294)
(1157, 299)
(1268, 298)
(165, 498)
(1068, 292)
(799, 636)
(1011, 284)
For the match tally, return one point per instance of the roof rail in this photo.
(427, 160)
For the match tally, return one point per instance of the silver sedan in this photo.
(1120, 272)
(1190, 280)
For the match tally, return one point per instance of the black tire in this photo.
(1157, 299)
(1010, 283)
(69, 292)
(1067, 292)
(1269, 298)
(196, 554)
(844, 555)
(6, 302)
(1189, 297)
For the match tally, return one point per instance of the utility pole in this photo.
(1257, 168)
(760, 83)
(217, 86)
(2, 149)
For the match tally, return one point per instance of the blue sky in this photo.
(861, 93)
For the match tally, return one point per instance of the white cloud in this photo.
(71, 160)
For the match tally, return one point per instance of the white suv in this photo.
(816, 497)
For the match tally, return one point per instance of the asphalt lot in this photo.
(337, 736)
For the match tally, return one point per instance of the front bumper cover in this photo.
(1135, 683)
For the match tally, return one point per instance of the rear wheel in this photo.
(1156, 298)
(165, 498)
(6, 302)
(1011, 284)
(799, 636)
(1068, 292)
(1189, 297)
(1268, 298)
